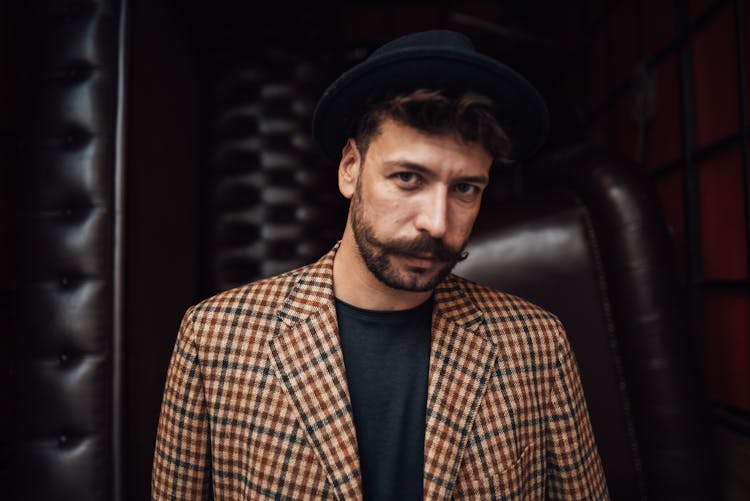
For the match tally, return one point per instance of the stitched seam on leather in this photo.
(612, 341)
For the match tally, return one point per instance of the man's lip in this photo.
(422, 260)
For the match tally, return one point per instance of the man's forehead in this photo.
(392, 131)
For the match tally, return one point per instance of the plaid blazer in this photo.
(256, 404)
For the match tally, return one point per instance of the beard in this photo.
(377, 254)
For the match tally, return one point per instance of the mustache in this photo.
(425, 244)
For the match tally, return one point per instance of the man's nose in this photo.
(433, 213)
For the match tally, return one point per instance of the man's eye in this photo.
(466, 189)
(407, 177)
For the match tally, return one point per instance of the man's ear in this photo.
(349, 168)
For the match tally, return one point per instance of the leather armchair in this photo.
(592, 248)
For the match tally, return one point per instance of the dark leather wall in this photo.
(270, 199)
(66, 327)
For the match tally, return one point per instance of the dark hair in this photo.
(469, 115)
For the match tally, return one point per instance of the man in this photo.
(375, 373)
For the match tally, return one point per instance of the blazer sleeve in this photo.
(182, 459)
(574, 468)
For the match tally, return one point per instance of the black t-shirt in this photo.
(387, 357)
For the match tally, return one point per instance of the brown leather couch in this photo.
(591, 246)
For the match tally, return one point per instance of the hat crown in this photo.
(436, 59)
(433, 39)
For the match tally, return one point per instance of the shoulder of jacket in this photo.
(521, 329)
(251, 307)
(504, 308)
(263, 294)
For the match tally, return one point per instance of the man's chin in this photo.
(417, 278)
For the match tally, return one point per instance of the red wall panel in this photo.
(698, 7)
(601, 59)
(624, 48)
(658, 20)
(670, 189)
(663, 141)
(727, 348)
(722, 222)
(715, 77)
(625, 128)
(490, 12)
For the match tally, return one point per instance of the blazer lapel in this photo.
(462, 359)
(308, 359)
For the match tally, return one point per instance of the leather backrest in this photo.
(593, 249)
(543, 249)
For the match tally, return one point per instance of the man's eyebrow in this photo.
(473, 179)
(405, 164)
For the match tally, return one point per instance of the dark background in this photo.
(207, 87)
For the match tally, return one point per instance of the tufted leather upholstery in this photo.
(272, 203)
(594, 251)
(67, 315)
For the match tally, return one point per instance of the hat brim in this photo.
(518, 106)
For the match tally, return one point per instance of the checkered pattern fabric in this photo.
(256, 404)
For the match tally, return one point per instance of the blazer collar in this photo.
(462, 360)
(308, 358)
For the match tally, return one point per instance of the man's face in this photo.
(414, 201)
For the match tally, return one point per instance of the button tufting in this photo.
(67, 193)
(72, 72)
(260, 127)
(75, 136)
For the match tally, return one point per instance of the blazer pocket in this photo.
(510, 482)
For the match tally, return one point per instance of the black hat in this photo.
(438, 59)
